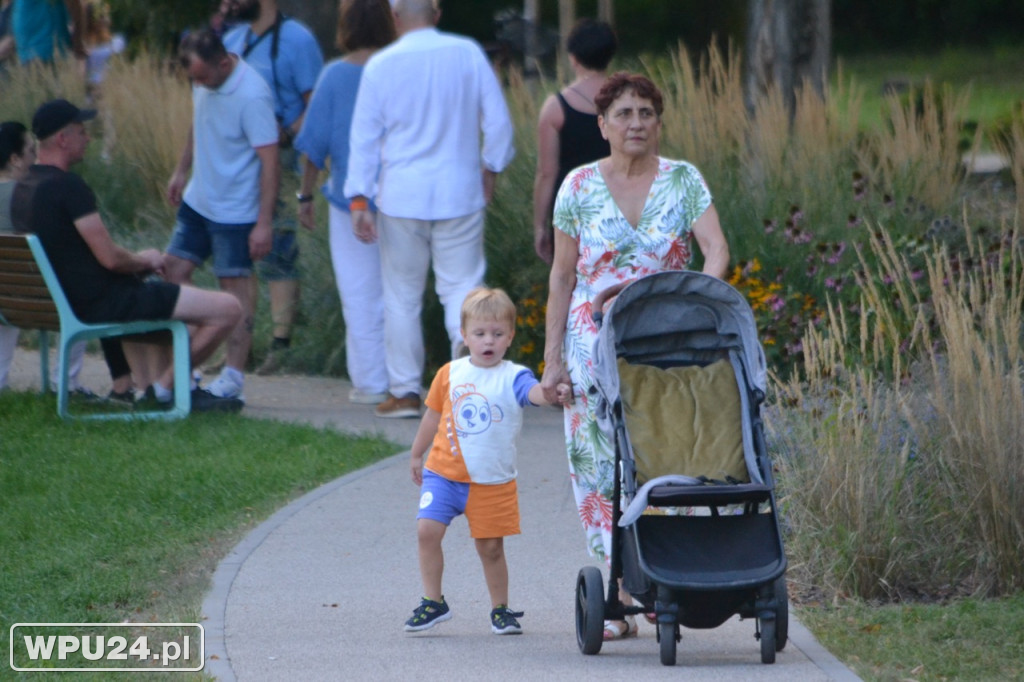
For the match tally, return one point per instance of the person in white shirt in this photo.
(422, 106)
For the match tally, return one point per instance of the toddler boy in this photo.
(468, 435)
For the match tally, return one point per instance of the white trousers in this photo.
(408, 247)
(357, 274)
(9, 341)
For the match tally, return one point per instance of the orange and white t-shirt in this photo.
(481, 415)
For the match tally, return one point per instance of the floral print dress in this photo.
(612, 251)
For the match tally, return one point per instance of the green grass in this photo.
(112, 522)
(994, 77)
(963, 640)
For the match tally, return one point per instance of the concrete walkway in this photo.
(320, 590)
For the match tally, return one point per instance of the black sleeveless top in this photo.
(579, 141)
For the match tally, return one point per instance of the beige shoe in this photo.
(399, 408)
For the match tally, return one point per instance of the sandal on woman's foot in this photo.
(619, 629)
(651, 618)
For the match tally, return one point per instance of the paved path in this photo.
(320, 590)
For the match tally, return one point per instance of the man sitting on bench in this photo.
(103, 281)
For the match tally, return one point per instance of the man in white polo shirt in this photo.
(423, 103)
(225, 210)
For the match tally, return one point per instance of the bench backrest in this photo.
(25, 298)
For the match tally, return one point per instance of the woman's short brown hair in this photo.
(621, 82)
(364, 24)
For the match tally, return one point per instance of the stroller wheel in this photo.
(767, 639)
(668, 634)
(589, 610)
(781, 613)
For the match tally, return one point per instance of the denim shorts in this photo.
(196, 238)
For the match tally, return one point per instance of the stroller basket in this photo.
(688, 552)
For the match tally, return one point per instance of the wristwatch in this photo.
(303, 198)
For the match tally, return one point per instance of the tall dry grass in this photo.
(24, 88)
(150, 107)
(900, 446)
(917, 152)
(1013, 149)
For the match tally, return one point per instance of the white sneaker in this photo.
(357, 397)
(225, 387)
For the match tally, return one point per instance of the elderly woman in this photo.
(620, 218)
(364, 26)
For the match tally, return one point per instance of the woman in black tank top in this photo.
(579, 140)
(567, 131)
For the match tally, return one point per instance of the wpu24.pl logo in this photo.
(113, 647)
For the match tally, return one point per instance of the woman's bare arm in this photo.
(711, 240)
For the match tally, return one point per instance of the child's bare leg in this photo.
(492, 556)
(430, 533)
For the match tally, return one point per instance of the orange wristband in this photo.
(359, 204)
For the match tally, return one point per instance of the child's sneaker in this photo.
(428, 614)
(503, 621)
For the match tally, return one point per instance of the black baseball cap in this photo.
(55, 114)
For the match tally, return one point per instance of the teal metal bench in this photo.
(32, 298)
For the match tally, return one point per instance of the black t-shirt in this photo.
(48, 201)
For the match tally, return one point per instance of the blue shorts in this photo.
(196, 238)
(491, 510)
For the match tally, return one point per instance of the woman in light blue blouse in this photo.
(364, 26)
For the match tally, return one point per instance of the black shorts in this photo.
(148, 300)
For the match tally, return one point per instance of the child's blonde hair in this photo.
(484, 303)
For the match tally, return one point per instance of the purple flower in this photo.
(837, 253)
